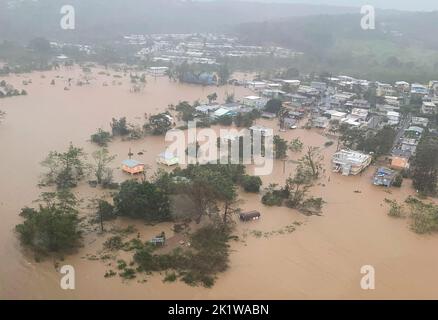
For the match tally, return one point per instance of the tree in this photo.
(380, 143)
(297, 187)
(425, 166)
(229, 98)
(224, 74)
(208, 185)
(296, 145)
(119, 127)
(273, 106)
(101, 138)
(212, 97)
(54, 226)
(101, 170)
(245, 120)
(251, 183)
(65, 169)
(160, 123)
(225, 120)
(312, 162)
(105, 211)
(280, 147)
(142, 200)
(186, 111)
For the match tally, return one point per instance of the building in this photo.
(419, 121)
(254, 101)
(336, 115)
(256, 85)
(320, 86)
(360, 114)
(399, 163)
(419, 89)
(203, 78)
(384, 177)
(350, 162)
(207, 108)
(157, 71)
(168, 159)
(132, 166)
(320, 122)
(221, 112)
(393, 118)
(428, 107)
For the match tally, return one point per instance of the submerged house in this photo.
(168, 159)
(350, 162)
(132, 166)
(384, 177)
(203, 78)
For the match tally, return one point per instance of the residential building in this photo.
(157, 71)
(428, 107)
(320, 122)
(132, 166)
(384, 177)
(350, 162)
(393, 118)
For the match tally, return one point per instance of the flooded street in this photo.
(320, 259)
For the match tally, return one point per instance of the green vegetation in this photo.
(379, 142)
(159, 124)
(395, 209)
(273, 106)
(398, 180)
(424, 169)
(53, 226)
(246, 120)
(199, 264)
(65, 169)
(119, 127)
(101, 137)
(251, 183)
(424, 216)
(296, 145)
(225, 120)
(212, 97)
(142, 200)
(280, 147)
(101, 170)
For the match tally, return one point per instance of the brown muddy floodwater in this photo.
(321, 259)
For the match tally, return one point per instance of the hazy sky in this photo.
(414, 5)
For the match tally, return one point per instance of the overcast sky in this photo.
(412, 5)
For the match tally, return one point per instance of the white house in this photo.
(336, 115)
(428, 107)
(254, 101)
(393, 117)
(350, 162)
(157, 71)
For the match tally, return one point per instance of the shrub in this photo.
(398, 180)
(251, 183)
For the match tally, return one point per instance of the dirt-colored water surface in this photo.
(320, 259)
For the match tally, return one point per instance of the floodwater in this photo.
(321, 259)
